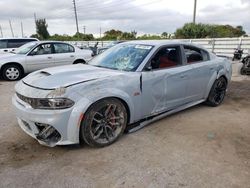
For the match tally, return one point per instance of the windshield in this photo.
(26, 48)
(125, 57)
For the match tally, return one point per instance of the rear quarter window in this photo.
(3, 44)
(195, 55)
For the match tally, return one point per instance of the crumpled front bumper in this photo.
(49, 127)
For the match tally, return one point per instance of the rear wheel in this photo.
(217, 92)
(104, 123)
(243, 71)
(12, 72)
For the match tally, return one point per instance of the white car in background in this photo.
(38, 55)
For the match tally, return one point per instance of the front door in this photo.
(164, 87)
(41, 57)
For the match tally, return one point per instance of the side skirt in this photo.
(146, 121)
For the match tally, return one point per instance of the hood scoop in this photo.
(45, 73)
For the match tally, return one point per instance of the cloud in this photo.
(227, 15)
(144, 16)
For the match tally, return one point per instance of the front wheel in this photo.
(217, 92)
(12, 72)
(104, 123)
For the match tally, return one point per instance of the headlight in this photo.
(57, 103)
(47, 103)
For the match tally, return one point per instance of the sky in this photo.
(143, 16)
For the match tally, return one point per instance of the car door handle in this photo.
(49, 57)
(211, 68)
(72, 56)
(5, 50)
(183, 76)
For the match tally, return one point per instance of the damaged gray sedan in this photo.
(122, 89)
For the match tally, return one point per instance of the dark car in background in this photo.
(11, 44)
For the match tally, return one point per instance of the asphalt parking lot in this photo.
(198, 147)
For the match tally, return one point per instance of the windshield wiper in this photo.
(105, 67)
(98, 66)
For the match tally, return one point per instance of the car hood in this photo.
(65, 76)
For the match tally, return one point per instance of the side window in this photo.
(195, 55)
(166, 57)
(42, 49)
(3, 44)
(63, 48)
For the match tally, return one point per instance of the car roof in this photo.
(18, 38)
(42, 42)
(159, 43)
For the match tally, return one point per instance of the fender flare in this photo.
(77, 114)
(214, 77)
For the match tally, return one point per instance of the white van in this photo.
(10, 44)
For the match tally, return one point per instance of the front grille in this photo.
(30, 101)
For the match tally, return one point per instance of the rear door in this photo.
(201, 71)
(64, 54)
(41, 57)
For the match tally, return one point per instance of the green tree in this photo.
(128, 36)
(165, 35)
(112, 34)
(82, 36)
(61, 37)
(42, 29)
(149, 37)
(191, 30)
(34, 36)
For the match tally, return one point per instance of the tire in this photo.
(12, 72)
(103, 123)
(79, 61)
(217, 92)
(243, 71)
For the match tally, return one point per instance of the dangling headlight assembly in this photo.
(47, 103)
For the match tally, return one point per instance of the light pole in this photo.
(84, 29)
(11, 28)
(77, 27)
(194, 15)
(22, 29)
